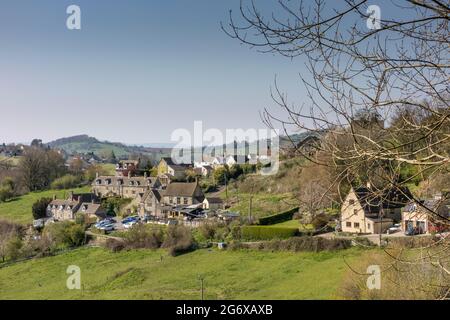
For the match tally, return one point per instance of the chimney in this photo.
(54, 197)
(368, 185)
(145, 174)
(96, 175)
(71, 195)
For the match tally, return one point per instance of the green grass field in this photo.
(295, 224)
(19, 209)
(140, 274)
(262, 204)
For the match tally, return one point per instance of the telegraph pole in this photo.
(250, 209)
(202, 278)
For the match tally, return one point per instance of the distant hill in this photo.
(86, 144)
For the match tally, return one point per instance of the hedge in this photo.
(297, 244)
(266, 233)
(279, 217)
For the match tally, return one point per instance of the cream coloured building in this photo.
(370, 211)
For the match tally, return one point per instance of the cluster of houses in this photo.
(164, 196)
(168, 196)
(11, 150)
(369, 211)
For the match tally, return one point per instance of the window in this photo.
(356, 224)
(351, 201)
(348, 224)
(185, 200)
(368, 226)
(355, 211)
(178, 200)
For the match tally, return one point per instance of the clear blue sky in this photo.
(136, 71)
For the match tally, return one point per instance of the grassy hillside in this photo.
(263, 204)
(141, 275)
(19, 209)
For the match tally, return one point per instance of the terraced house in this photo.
(126, 187)
(81, 203)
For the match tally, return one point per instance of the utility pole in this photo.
(226, 186)
(250, 209)
(202, 278)
(381, 223)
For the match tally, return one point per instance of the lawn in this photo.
(263, 204)
(142, 274)
(19, 209)
(291, 224)
(109, 168)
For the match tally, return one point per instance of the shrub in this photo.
(297, 244)
(208, 230)
(320, 220)
(141, 236)
(65, 182)
(266, 233)
(65, 234)
(279, 217)
(7, 189)
(8, 231)
(13, 248)
(178, 240)
(39, 208)
(114, 245)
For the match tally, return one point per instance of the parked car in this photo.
(104, 221)
(412, 232)
(107, 227)
(395, 228)
(129, 224)
(130, 219)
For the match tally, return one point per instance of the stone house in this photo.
(126, 187)
(169, 171)
(81, 203)
(151, 203)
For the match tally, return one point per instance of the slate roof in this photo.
(373, 201)
(183, 189)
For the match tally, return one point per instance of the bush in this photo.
(300, 244)
(208, 230)
(320, 220)
(7, 189)
(39, 208)
(266, 233)
(13, 248)
(65, 234)
(141, 236)
(279, 217)
(178, 240)
(65, 182)
(114, 245)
